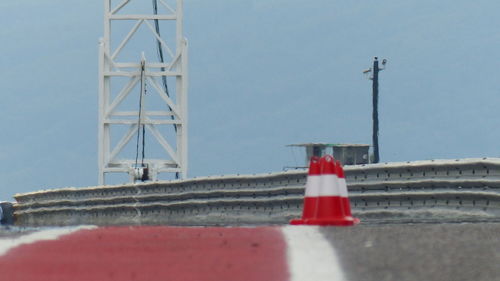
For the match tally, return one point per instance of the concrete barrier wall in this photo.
(230, 182)
(467, 189)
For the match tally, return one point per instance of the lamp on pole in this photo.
(374, 77)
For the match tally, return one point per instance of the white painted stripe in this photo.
(343, 187)
(313, 186)
(7, 244)
(310, 255)
(329, 186)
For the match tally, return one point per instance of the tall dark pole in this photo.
(375, 111)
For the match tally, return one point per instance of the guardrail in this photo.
(467, 189)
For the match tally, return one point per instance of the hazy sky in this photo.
(262, 74)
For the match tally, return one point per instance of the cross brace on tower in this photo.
(113, 70)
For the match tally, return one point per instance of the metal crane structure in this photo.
(120, 78)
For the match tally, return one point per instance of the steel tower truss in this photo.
(141, 73)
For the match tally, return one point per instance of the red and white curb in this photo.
(50, 234)
(310, 256)
(294, 253)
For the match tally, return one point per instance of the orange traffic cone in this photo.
(311, 192)
(333, 206)
(344, 194)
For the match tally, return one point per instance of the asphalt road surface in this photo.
(364, 252)
(418, 251)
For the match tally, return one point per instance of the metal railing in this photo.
(459, 190)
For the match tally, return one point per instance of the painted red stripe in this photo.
(152, 253)
(329, 207)
(309, 208)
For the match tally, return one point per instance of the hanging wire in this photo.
(159, 51)
(143, 144)
(162, 60)
(144, 131)
(139, 119)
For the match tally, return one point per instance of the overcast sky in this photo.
(262, 74)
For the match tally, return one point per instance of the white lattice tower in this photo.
(113, 70)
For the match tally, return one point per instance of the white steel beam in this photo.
(143, 17)
(112, 67)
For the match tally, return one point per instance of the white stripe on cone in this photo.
(343, 188)
(313, 186)
(329, 185)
